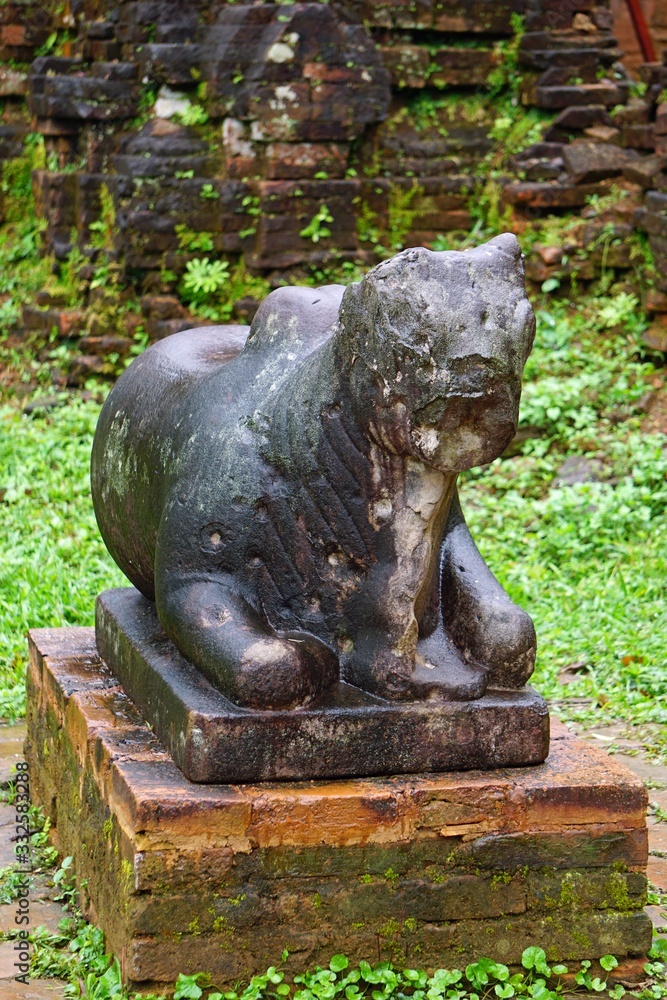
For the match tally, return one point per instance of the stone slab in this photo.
(431, 870)
(11, 749)
(349, 734)
(40, 989)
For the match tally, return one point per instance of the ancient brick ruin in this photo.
(294, 136)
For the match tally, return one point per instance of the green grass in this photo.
(53, 561)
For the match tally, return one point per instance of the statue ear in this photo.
(350, 323)
(349, 302)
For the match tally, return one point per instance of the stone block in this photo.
(661, 119)
(561, 38)
(652, 222)
(346, 734)
(656, 335)
(12, 83)
(402, 14)
(656, 201)
(14, 35)
(553, 98)
(561, 76)
(643, 171)
(576, 119)
(573, 57)
(459, 67)
(475, 16)
(65, 322)
(434, 869)
(636, 112)
(546, 195)
(102, 346)
(102, 30)
(169, 63)
(408, 64)
(55, 197)
(293, 161)
(83, 367)
(587, 162)
(638, 136)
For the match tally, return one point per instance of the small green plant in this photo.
(401, 213)
(208, 192)
(64, 882)
(10, 312)
(620, 310)
(317, 229)
(204, 277)
(192, 114)
(507, 74)
(103, 229)
(11, 881)
(193, 242)
(251, 205)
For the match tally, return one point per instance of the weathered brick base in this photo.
(432, 869)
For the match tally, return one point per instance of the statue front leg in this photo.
(226, 639)
(480, 618)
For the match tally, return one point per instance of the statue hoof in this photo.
(277, 673)
(457, 681)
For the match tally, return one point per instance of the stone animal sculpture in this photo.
(289, 500)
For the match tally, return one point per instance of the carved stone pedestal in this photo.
(433, 870)
(348, 733)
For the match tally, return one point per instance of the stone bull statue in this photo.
(289, 500)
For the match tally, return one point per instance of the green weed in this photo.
(318, 227)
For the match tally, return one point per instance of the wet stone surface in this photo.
(11, 749)
(654, 776)
(44, 910)
(41, 989)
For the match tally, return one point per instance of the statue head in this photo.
(434, 345)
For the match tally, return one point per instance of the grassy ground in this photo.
(588, 561)
(53, 560)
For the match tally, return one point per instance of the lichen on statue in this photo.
(289, 500)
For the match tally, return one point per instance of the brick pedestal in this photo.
(432, 870)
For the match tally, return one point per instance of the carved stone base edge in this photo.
(428, 870)
(349, 734)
